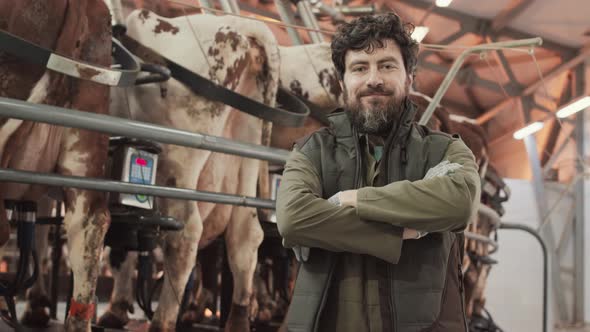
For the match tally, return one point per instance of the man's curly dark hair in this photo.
(370, 32)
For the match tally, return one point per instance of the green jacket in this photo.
(361, 275)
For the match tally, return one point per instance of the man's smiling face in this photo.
(375, 85)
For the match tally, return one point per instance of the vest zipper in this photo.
(357, 171)
(403, 161)
(391, 301)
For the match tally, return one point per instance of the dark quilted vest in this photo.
(425, 287)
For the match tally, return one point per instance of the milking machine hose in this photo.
(545, 261)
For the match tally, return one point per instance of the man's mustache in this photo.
(372, 92)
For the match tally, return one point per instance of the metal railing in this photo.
(459, 62)
(23, 110)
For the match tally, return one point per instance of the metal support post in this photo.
(309, 20)
(207, 4)
(287, 16)
(579, 223)
(225, 6)
(546, 231)
(235, 8)
(582, 201)
(117, 17)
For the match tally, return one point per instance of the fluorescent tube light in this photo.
(526, 131)
(443, 3)
(574, 107)
(419, 33)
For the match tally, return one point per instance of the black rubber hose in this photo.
(158, 74)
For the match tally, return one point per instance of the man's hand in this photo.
(348, 198)
(443, 168)
(412, 234)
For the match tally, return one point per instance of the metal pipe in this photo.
(545, 227)
(348, 10)
(457, 65)
(491, 214)
(123, 127)
(226, 6)
(206, 4)
(117, 17)
(334, 14)
(309, 21)
(481, 238)
(286, 14)
(545, 263)
(10, 175)
(234, 6)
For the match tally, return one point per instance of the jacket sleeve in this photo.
(304, 218)
(438, 204)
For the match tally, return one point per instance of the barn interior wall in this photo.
(515, 284)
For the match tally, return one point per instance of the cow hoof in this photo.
(195, 311)
(116, 317)
(238, 319)
(193, 314)
(37, 311)
(77, 325)
(112, 321)
(157, 326)
(264, 315)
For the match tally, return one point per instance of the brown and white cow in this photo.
(240, 55)
(79, 29)
(219, 171)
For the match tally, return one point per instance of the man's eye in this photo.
(358, 69)
(389, 67)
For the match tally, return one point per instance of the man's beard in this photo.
(377, 118)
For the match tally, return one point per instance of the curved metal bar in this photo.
(491, 214)
(481, 238)
(457, 65)
(74, 68)
(158, 74)
(535, 234)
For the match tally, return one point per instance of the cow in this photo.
(242, 56)
(81, 30)
(219, 170)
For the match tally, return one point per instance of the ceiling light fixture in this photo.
(528, 130)
(419, 33)
(574, 107)
(443, 3)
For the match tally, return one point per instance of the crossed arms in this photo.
(374, 225)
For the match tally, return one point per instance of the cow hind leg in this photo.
(121, 303)
(180, 254)
(85, 228)
(243, 237)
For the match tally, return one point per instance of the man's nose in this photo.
(374, 80)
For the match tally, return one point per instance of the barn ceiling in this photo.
(503, 90)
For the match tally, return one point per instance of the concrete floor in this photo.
(137, 324)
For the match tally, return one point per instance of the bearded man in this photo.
(375, 205)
